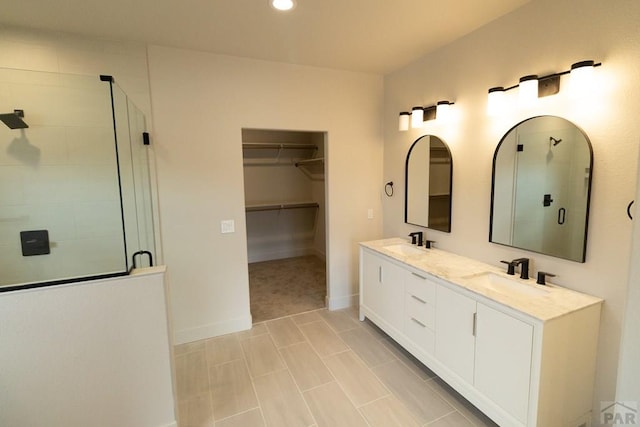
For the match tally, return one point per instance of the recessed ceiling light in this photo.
(282, 4)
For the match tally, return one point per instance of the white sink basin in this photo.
(506, 286)
(405, 249)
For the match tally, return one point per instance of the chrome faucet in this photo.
(416, 237)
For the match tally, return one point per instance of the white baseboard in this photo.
(337, 303)
(260, 256)
(171, 424)
(212, 330)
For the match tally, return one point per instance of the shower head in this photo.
(555, 141)
(14, 120)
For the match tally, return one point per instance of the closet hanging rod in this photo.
(306, 161)
(256, 208)
(260, 145)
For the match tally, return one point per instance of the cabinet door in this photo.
(503, 360)
(383, 288)
(455, 340)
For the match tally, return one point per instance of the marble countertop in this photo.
(552, 302)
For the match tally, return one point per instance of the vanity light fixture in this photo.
(282, 5)
(531, 87)
(419, 115)
(403, 123)
(443, 110)
(496, 102)
(581, 75)
(528, 89)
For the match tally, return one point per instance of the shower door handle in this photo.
(562, 213)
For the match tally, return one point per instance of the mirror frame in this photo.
(588, 201)
(406, 184)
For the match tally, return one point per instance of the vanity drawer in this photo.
(420, 334)
(420, 310)
(421, 287)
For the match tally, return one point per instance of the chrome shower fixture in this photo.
(14, 120)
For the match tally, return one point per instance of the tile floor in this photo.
(320, 368)
(284, 286)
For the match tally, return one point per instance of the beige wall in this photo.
(200, 104)
(543, 37)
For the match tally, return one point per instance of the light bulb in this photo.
(283, 4)
(496, 101)
(581, 77)
(403, 123)
(417, 117)
(443, 110)
(528, 90)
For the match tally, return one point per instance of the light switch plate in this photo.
(227, 226)
(369, 213)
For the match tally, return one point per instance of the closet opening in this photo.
(285, 194)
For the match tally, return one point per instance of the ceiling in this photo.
(373, 36)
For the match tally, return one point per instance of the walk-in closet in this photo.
(284, 189)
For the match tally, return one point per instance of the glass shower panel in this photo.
(135, 178)
(60, 207)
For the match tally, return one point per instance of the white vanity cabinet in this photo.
(523, 360)
(486, 348)
(384, 283)
(420, 310)
(455, 332)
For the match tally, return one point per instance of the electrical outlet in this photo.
(369, 213)
(227, 226)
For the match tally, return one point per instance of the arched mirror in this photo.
(428, 177)
(541, 187)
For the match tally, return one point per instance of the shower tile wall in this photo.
(59, 175)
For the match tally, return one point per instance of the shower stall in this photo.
(76, 193)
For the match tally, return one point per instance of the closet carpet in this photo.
(286, 286)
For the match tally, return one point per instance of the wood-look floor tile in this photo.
(256, 329)
(331, 407)
(338, 320)
(356, 379)
(281, 402)
(189, 347)
(305, 366)
(223, 349)
(353, 312)
(461, 404)
(365, 345)
(231, 389)
(197, 412)
(308, 317)
(373, 329)
(323, 339)
(262, 355)
(388, 412)
(424, 403)
(191, 375)
(284, 332)
(454, 419)
(252, 418)
(408, 359)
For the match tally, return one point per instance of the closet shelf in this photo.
(281, 206)
(278, 146)
(312, 168)
(264, 154)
